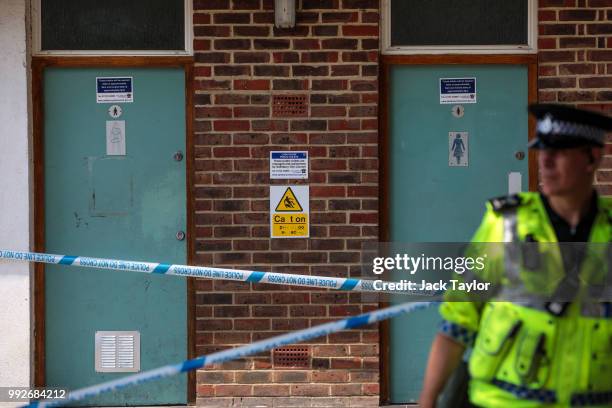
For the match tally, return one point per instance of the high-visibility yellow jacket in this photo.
(522, 354)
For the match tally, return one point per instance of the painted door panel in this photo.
(431, 201)
(122, 207)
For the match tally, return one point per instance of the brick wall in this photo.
(242, 61)
(331, 56)
(575, 60)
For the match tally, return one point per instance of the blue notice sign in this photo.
(457, 90)
(114, 89)
(288, 165)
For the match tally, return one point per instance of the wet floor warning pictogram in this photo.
(289, 212)
(288, 203)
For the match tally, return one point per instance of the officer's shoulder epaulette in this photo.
(505, 203)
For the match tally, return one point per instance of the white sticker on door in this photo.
(458, 149)
(115, 137)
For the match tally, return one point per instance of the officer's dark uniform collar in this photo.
(564, 232)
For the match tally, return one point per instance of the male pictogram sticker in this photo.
(289, 212)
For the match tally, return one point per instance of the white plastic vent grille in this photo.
(117, 351)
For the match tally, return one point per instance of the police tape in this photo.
(232, 354)
(348, 284)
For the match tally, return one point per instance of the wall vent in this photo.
(117, 351)
(292, 357)
(289, 106)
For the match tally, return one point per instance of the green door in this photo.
(113, 189)
(436, 196)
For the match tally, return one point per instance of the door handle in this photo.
(180, 235)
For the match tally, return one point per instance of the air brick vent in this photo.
(289, 106)
(292, 356)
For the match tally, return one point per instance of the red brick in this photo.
(557, 29)
(596, 82)
(557, 82)
(371, 389)
(320, 4)
(214, 112)
(345, 363)
(205, 390)
(250, 138)
(340, 17)
(576, 69)
(211, 31)
(547, 43)
(289, 324)
(251, 111)
(360, 30)
(285, 57)
(246, 4)
(577, 15)
(577, 42)
(269, 311)
(263, 18)
(231, 125)
(599, 29)
(233, 390)
(290, 298)
(311, 390)
(252, 85)
(211, 4)
(325, 31)
(556, 3)
(600, 55)
(232, 44)
(201, 45)
(330, 351)
(346, 389)
(575, 96)
(251, 57)
(271, 390)
(339, 44)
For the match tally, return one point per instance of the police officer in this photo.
(552, 353)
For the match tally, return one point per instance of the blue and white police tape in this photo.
(349, 284)
(232, 354)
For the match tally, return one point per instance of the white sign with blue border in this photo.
(457, 90)
(114, 89)
(288, 165)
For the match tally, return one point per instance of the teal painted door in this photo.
(114, 206)
(432, 201)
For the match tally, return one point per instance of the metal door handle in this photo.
(180, 235)
(178, 156)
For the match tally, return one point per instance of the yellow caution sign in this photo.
(289, 202)
(290, 225)
(289, 212)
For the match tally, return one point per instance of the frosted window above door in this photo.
(112, 25)
(439, 23)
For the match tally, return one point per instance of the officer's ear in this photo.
(595, 155)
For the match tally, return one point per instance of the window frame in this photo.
(35, 10)
(530, 48)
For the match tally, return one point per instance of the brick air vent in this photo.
(288, 106)
(292, 356)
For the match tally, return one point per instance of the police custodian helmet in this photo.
(563, 126)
